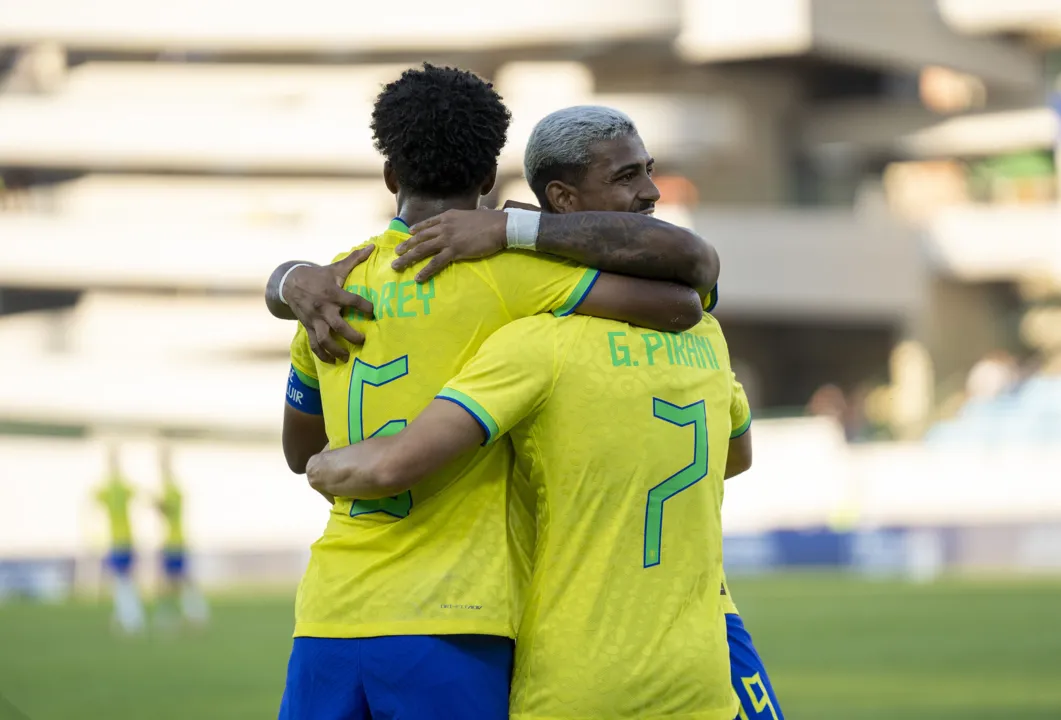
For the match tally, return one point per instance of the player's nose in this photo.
(649, 193)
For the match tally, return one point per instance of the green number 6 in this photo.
(364, 374)
(695, 415)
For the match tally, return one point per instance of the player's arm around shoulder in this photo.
(632, 244)
(384, 466)
(530, 284)
(620, 242)
(531, 277)
(654, 304)
(510, 375)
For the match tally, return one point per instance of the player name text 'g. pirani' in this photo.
(651, 348)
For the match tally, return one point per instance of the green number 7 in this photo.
(364, 374)
(695, 415)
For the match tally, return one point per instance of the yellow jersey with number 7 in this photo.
(624, 434)
(433, 561)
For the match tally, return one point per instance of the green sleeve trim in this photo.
(578, 294)
(738, 431)
(476, 410)
(309, 380)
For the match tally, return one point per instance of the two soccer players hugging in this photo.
(526, 438)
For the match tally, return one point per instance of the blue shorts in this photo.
(748, 675)
(403, 677)
(173, 563)
(120, 561)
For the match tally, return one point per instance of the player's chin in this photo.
(647, 211)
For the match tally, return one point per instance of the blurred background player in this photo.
(115, 495)
(177, 587)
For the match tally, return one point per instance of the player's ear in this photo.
(563, 198)
(390, 177)
(489, 184)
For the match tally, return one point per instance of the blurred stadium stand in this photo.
(879, 177)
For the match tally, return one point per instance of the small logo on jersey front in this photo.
(453, 606)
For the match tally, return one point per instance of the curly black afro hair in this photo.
(442, 130)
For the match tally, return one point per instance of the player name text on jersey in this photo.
(649, 348)
(395, 299)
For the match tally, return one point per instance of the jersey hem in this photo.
(366, 630)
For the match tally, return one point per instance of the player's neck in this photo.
(414, 209)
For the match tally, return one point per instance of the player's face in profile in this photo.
(619, 178)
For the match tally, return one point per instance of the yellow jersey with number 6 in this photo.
(624, 434)
(433, 561)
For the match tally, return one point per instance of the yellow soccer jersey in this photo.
(171, 505)
(625, 435)
(432, 561)
(740, 416)
(115, 496)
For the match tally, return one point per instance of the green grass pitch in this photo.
(836, 647)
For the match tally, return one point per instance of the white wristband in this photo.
(283, 279)
(521, 228)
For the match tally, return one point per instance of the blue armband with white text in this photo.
(303, 392)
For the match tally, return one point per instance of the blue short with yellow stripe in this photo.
(748, 675)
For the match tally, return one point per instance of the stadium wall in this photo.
(919, 554)
(811, 500)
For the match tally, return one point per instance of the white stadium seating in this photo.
(324, 26)
(295, 119)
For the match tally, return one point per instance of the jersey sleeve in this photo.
(530, 284)
(303, 388)
(740, 414)
(508, 379)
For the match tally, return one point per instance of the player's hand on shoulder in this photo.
(450, 237)
(317, 298)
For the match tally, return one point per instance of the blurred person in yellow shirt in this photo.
(115, 495)
(177, 587)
